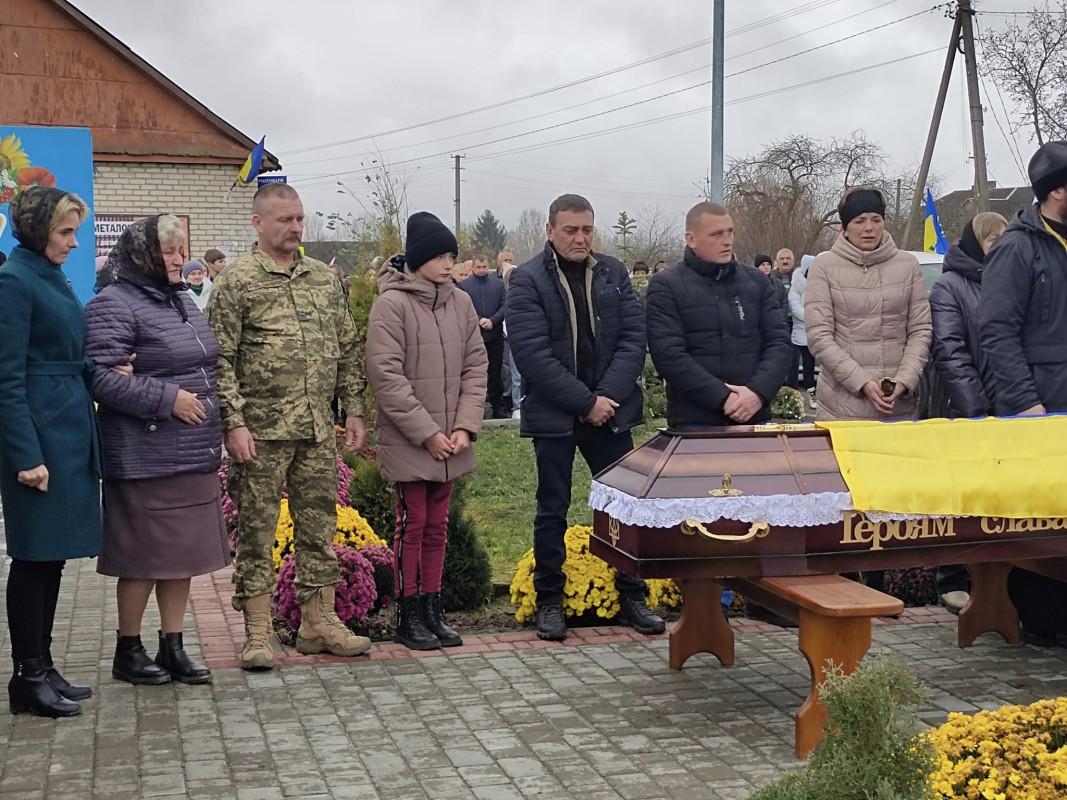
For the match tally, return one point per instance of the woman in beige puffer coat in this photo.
(867, 318)
(428, 367)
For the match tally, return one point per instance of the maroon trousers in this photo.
(421, 534)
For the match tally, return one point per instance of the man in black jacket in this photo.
(578, 339)
(487, 295)
(1023, 308)
(715, 329)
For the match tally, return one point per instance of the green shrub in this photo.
(362, 292)
(788, 404)
(872, 749)
(468, 579)
(372, 495)
(655, 391)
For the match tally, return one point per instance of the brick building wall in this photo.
(217, 217)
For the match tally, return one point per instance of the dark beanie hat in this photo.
(427, 239)
(1048, 168)
(860, 201)
(760, 259)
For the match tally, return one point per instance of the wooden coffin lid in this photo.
(759, 461)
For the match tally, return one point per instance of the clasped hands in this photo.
(442, 447)
(883, 403)
(742, 403)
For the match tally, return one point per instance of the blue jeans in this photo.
(516, 385)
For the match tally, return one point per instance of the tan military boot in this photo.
(258, 651)
(321, 630)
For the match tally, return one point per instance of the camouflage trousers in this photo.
(309, 469)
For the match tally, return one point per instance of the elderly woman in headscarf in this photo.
(162, 436)
(49, 448)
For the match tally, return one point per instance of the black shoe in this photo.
(635, 612)
(61, 684)
(173, 658)
(551, 624)
(1038, 639)
(435, 623)
(133, 665)
(29, 692)
(410, 630)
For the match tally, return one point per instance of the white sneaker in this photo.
(811, 398)
(516, 414)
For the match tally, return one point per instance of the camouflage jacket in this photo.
(287, 346)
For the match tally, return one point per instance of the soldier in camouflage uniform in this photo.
(287, 346)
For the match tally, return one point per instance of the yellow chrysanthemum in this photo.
(352, 531)
(12, 156)
(590, 582)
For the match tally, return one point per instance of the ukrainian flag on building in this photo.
(250, 171)
(933, 236)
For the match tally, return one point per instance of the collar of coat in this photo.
(552, 261)
(709, 269)
(426, 292)
(885, 250)
(299, 266)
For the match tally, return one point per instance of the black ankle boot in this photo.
(435, 624)
(133, 665)
(410, 630)
(173, 658)
(29, 692)
(61, 684)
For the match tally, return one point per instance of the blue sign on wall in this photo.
(263, 180)
(57, 157)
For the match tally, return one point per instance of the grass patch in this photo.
(502, 495)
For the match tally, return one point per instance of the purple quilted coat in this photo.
(139, 314)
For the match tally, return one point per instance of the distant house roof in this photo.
(58, 67)
(955, 208)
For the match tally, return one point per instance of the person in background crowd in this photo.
(460, 272)
(784, 262)
(287, 347)
(639, 280)
(427, 365)
(764, 264)
(803, 365)
(579, 340)
(964, 369)
(48, 441)
(659, 267)
(1023, 331)
(505, 263)
(867, 317)
(782, 275)
(162, 437)
(487, 293)
(199, 284)
(214, 262)
(640, 268)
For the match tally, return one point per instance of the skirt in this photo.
(163, 528)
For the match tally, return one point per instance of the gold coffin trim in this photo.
(691, 527)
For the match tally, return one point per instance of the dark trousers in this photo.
(421, 535)
(494, 348)
(32, 594)
(952, 578)
(1041, 602)
(802, 355)
(555, 459)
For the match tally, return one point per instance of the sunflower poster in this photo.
(61, 158)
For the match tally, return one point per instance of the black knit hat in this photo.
(762, 258)
(427, 239)
(1048, 168)
(860, 200)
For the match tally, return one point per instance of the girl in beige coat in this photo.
(867, 318)
(428, 367)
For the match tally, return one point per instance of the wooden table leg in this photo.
(989, 609)
(842, 640)
(702, 628)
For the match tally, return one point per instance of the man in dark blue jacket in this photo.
(1024, 296)
(715, 329)
(578, 339)
(487, 294)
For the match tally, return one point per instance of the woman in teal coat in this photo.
(49, 447)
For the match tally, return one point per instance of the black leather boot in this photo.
(133, 665)
(173, 658)
(551, 622)
(435, 623)
(410, 630)
(636, 613)
(61, 684)
(29, 692)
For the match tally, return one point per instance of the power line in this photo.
(811, 6)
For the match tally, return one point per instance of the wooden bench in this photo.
(990, 610)
(834, 615)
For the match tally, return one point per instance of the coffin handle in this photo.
(691, 527)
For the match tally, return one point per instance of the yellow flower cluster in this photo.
(352, 531)
(1016, 753)
(590, 582)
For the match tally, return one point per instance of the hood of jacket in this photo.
(885, 250)
(958, 261)
(391, 279)
(708, 269)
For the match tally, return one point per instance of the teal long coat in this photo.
(46, 414)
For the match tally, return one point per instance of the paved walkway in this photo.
(599, 717)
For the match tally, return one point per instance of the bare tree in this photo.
(656, 235)
(316, 228)
(528, 239)
(383, 198)
(1030, 63)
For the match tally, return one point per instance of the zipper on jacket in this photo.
(444, 365)
(203, 372)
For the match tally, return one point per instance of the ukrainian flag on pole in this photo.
(250, 171)
(933, 236)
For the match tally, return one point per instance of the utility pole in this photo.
(458, 168)
(965, 15)
(931, 136)
(715, 178)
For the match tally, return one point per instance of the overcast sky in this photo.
(317, 72)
